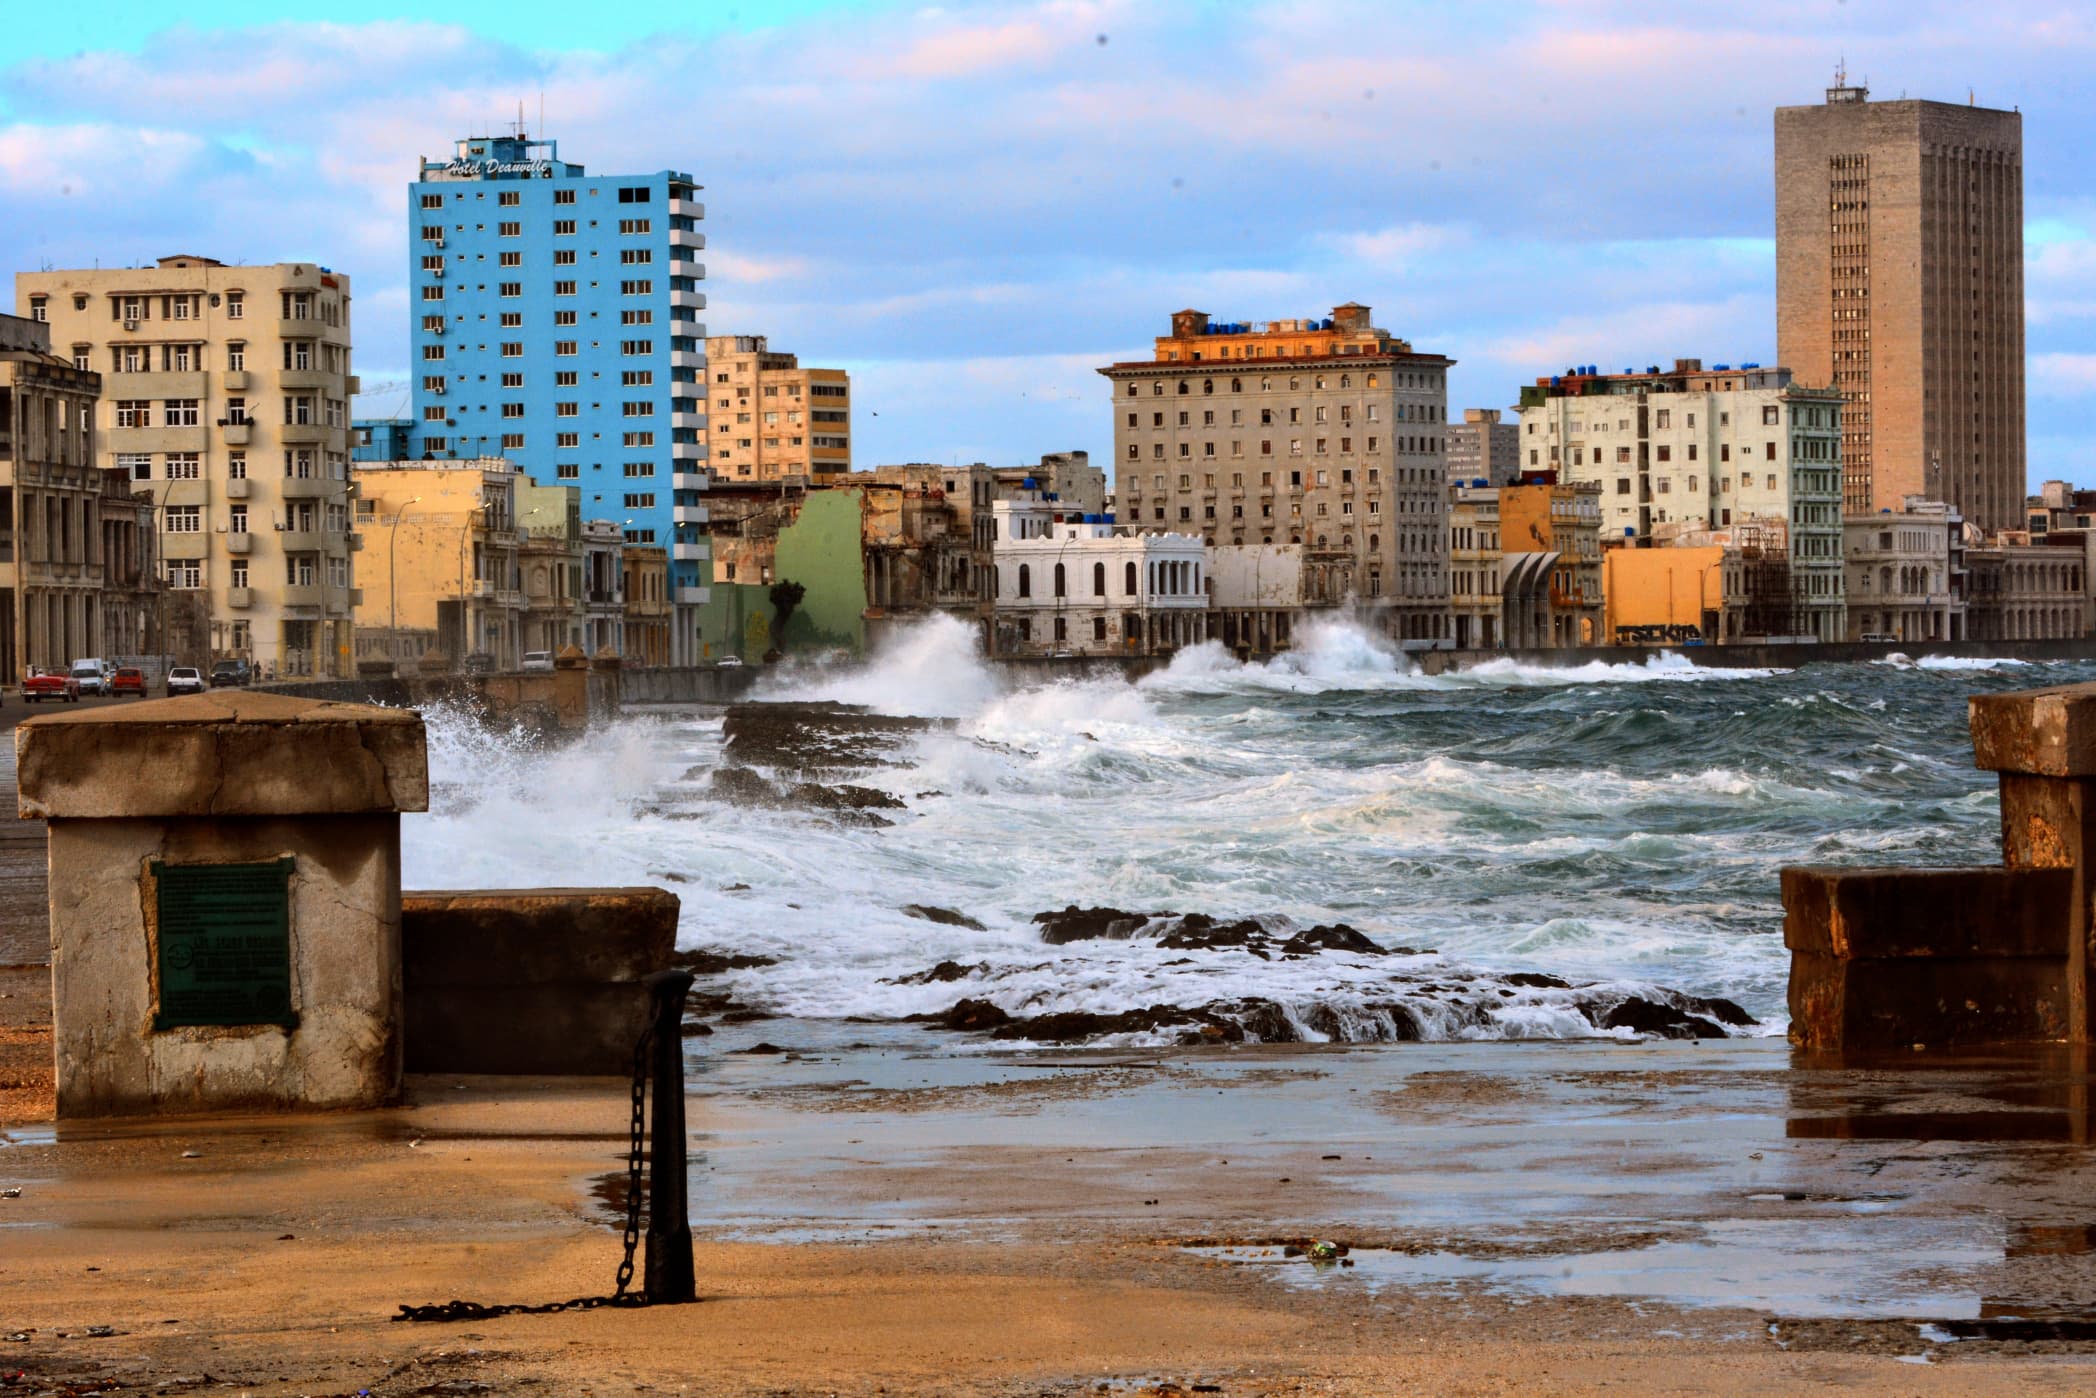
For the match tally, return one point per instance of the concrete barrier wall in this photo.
(698, 685)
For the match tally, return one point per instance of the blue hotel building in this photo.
(556, 323)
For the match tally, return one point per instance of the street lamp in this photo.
(393, 579)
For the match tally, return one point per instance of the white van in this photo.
(93, 675)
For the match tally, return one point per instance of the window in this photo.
(509, 230)
(1025, 580)
(641, 409)
(636, 317)
(637, 378)
(236, 306)
(513, 441)
(512, 320)
(634, 195)
(564, 319)
(564, 228)
(567, 471)
(511, 289)
(567, 440)
(236, 466)
(633, 226)
(563, 196)
(185, 573)
(639, 439)
(185, 519)
(639, 470)
(137, 464)
(1770, 415)
(134, 412)
(567, 410)
(512, 259)
(640, 502)
(636, 347)
(564, 257)
(636, 257)
(641, 287)
(1128, 579)
(509, 198)
(564, 347)
(512, 349)
(563, 288)
(181, 412)
(432, 201)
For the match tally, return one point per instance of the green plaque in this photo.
(225, 943)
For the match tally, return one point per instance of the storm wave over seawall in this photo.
(1512, 851)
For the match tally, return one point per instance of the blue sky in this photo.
(971, 206)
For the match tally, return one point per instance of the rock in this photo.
(759, 1048)
(945, 972)
(1338, 937)
(945, 917)
(817, 736)
(746, 1016)
(843, 798)
(1649, 1017)
(1535, 980)
(1719, 1009)
(706, 961)
(694, 1029)
(1075, 924)
(975, 1015)
(741, 786)
(1270, 1024)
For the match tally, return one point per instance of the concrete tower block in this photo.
(225, 899)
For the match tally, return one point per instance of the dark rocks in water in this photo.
(943, 973)
(1200, 932)
(1075, 924)
(975, 1015)
(1270, 1023)
(1070, 1026)
(744, 787)
(817, 736)
(851, 805)
(1536, 980)
(842, 797)
(697, 1029)
(746, 1016)
(945, 917)
(706, 961)
(1650, 1017)
(735, 888)
(759, 1048)
(1719, 1009)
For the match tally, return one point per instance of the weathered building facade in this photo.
(769, 418)
(1906, 573)
(1329, 433)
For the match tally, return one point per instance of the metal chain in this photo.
(621, 1297)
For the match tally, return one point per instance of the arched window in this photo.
(1346, 380)
(1128, 579)
(1098, 580)
(1182, 387)
(1208, 385)
(1371, 380)
(1237, 385)
(1059, 589)
(1375, 541)
(1025, 580)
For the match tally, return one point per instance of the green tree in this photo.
(785, 597)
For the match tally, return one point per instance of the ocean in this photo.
(1522, 848)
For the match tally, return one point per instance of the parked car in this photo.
(728, 662)
(50, 684)
(128, 679)
(537, 660)
(234, 672)
(185, 679)
(93, 675)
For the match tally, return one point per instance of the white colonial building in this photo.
(1066, 583)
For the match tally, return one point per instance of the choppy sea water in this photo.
(1614, 825)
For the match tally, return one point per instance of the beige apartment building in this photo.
(75, 572)
(647, 635)
(440, 558)
(1899, 280)
(1474, 558)
(1677, 453)
(226, 395)
(769, 419)
(1327, 433)
(1482, 448)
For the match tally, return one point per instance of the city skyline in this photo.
(1617, 211)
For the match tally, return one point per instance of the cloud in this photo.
(910, 191)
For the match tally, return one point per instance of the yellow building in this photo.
(225, 392)
(1664, 596)
(647, 605)
(770, 419)
(1561, 521)
(441, 557)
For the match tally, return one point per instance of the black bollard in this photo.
(667, 1275)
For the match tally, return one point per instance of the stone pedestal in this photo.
(225, 899)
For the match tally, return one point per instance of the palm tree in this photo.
(785, 597)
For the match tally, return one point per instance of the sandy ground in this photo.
(886, 1222)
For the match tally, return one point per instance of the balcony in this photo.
(687, 208)
(311, 595)
(297, 434)
(151, 439)
(689, 514)
(352, 385)
(302, 540)
(694, 421)
(356, 598)
(687, 238)
(300, 329)
(693, 300)
(236, 488)
(241, 542)
(687, 359)
(687, 596)
(240, 599)
(696, 551)
(234, 380)
(356, 543)
(690, 480)
(237, 434)
(185, 546)
(310, 487)
(306, 379)
(196, 492)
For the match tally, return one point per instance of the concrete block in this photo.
(1890, 1005)
(223, 753)
(343, 1051)
(2038, 732)
(1849, 914)
(540, 981)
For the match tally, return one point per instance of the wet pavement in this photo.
(1722, 1175)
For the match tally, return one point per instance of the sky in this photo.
(973, 206)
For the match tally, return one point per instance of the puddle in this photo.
(1820, 1268)
(1939, 1126)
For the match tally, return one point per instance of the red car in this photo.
(48, 684)
(128, 680)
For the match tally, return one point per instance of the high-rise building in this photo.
(1677, 453)
(770, 419)
(1328, 433)
(225, 392)
(556, 324)
(1899, 280)
(1482, 448)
